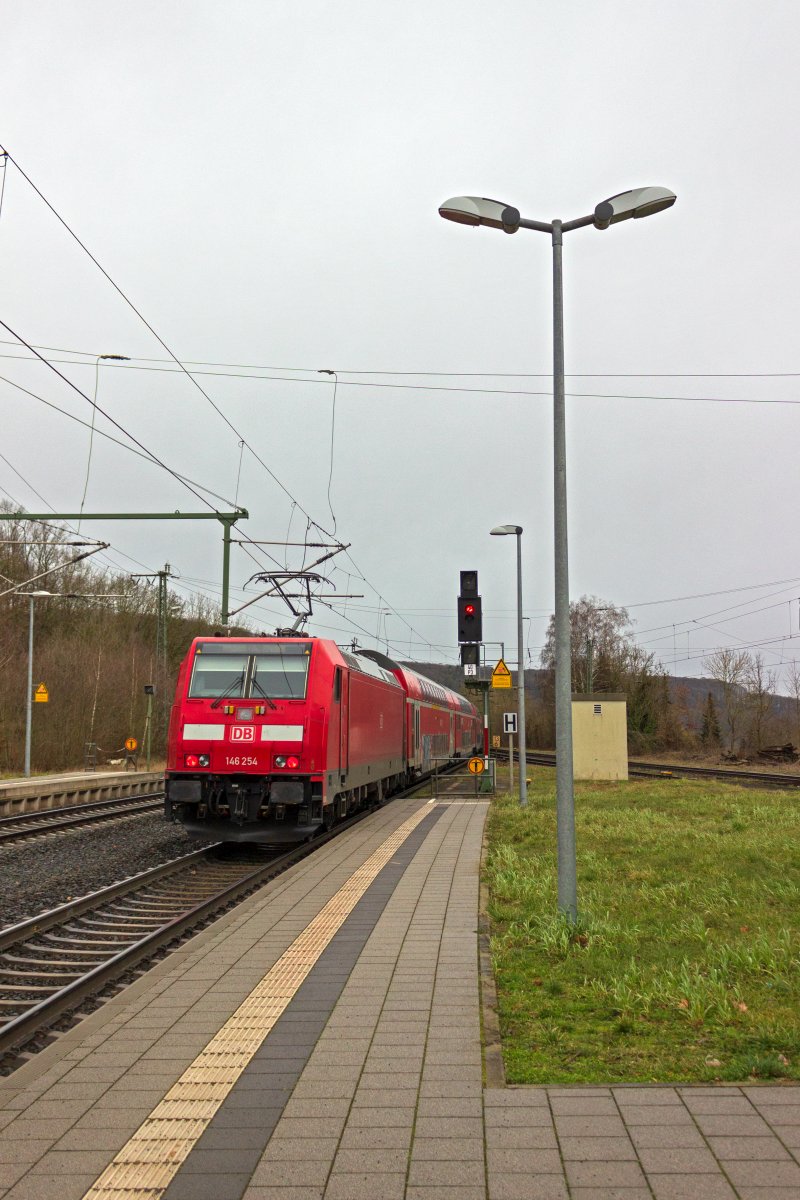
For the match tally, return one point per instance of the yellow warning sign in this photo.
(131, 744)
(501, 676)
(475, 765)
(495, 742)
(41, 695)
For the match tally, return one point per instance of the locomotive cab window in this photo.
(272, 671)
(280, 672)
(217, 675)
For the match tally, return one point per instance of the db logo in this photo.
(243, 733)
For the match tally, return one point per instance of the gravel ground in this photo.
(38, 875)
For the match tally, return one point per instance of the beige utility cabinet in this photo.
(600, 736)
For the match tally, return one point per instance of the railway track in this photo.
(54, 962)
(665, 770)
(51, 964)
(25, 826)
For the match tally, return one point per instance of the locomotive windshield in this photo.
(219, 675)
(280, 672)
(271, 671)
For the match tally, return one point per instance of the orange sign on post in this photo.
(131, 744)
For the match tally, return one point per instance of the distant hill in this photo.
(687, 693)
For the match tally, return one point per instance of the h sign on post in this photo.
(509, 722)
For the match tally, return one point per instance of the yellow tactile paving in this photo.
(144, 1167)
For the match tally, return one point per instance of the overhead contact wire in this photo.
(158, 338)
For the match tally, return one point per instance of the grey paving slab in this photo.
(366, 1186)
(685, 1187)
(521, 1187)
(379, 1053)
(597, 1149)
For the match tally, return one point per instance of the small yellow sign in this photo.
(131, 744)
(41, 695)
(495, 742)
(475, 765)
(501, 676)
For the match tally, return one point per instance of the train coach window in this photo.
(217, 675)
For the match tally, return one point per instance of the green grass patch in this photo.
(684, 963)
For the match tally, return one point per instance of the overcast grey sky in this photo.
(262, 180)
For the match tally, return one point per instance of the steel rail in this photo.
(25, 826)
(35, 1018)
(650, 770)
(187, 914)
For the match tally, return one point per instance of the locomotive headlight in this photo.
(203, 760)
(292, 763)
(280, 761)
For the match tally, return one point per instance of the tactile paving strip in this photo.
(144, 1167)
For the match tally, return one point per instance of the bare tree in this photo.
(760, 684)
(794, 692)
(730, 668)
(602, 645)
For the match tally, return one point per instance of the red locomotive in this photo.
(273, 739)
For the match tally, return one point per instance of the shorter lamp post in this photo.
(502, 531)
(29, 707)
(56, 596)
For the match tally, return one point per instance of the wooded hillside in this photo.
(95, 655)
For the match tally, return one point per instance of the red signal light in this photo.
(469, 610)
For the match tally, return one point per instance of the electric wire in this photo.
(158, 338)
(333, 427)
(161, 342)
(4, 157)
(91, 437)
(423, 387)
(462, 374)
(181, 367)
(109, 437)
(116, 424)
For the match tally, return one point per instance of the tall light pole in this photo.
(478, 210)
(501, 531)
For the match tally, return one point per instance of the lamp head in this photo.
(478, 210)
(502, 530)
(640, 202)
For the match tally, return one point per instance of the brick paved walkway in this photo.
(371, 1084)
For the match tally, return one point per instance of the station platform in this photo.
(323, 1041)
(38, 792)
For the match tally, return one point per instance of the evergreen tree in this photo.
(710, 733)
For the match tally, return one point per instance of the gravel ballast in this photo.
(41, 874)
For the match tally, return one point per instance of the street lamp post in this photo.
(501, 531)
(478, 210)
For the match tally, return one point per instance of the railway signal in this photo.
(470, 616)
